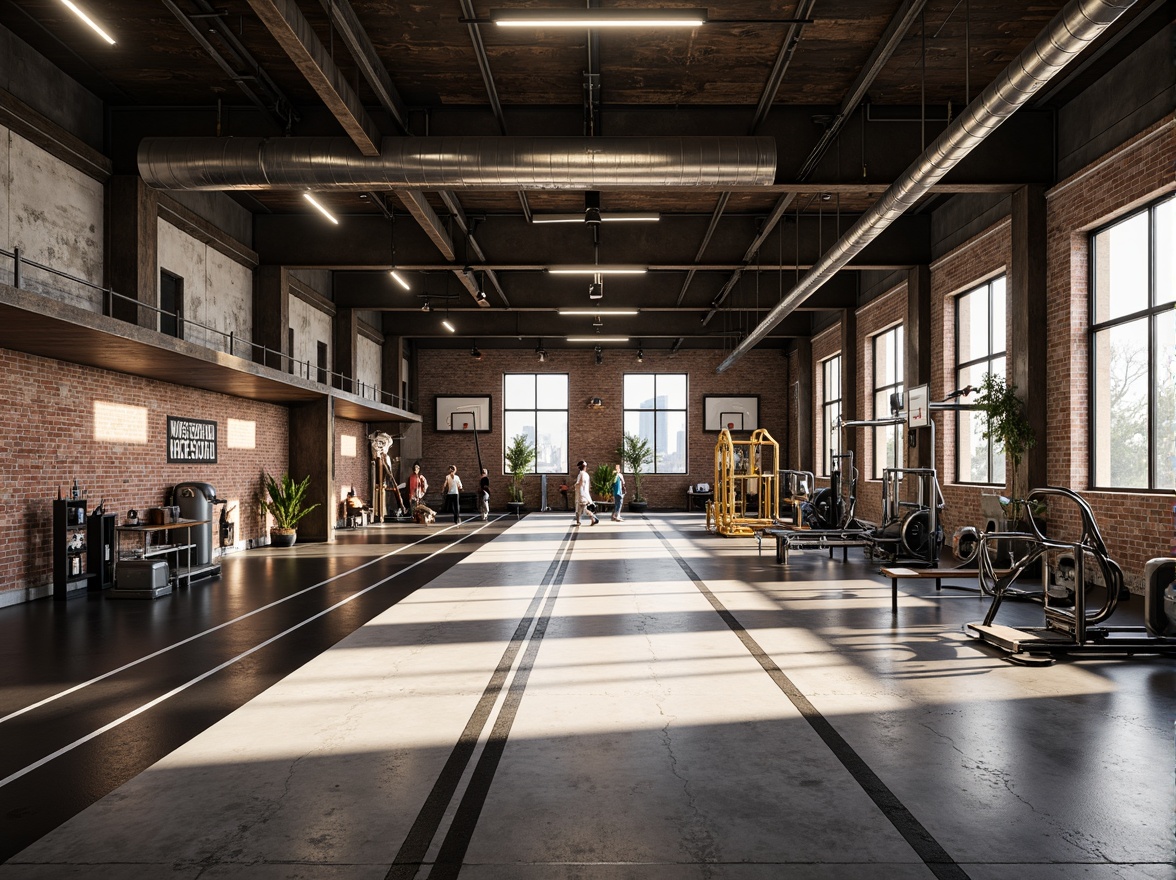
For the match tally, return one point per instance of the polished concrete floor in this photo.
(532, 700)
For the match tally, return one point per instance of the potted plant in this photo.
(520, 455)
(635, 453)
(1007, 425)
(287, 505)
(600, 484)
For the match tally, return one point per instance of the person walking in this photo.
(583, 493)
(618, 493)
(452, 490)
(484, 494)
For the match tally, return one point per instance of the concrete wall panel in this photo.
(368, 367)
(218, 291)
(310, 326)
(55, 216)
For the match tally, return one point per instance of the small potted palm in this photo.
(635, 453)
(287, 504)
(520, 455)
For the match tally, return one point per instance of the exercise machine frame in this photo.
(1076, 629)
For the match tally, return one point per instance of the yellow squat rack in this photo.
(746, 496)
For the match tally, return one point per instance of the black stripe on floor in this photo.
(428, 821)
(927, 847)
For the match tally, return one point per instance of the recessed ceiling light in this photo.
(321, 209)
(598, 18)
(93, 24)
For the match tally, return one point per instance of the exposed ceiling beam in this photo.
(290, 28)
(360, 46)
(242, 69)
(1076, 26)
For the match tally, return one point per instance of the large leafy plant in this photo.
(520, 455)
(286, 500)
(635, 453)
(1007, 425)
(601, 482)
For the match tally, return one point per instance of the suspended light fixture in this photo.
(640, 355)
(445, 323)
(399, 279)
(598, 18)
(93, 24)
(607, 313)
(320, 208)
(540, 351)
(475, 353)
(596, 339)
(396, 276)
(599, 355)
(598, 270)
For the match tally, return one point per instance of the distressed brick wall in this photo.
(877, 316)
(48, 438)
(983, 256)
(352, 457)
(1136, 525)
(593, 434)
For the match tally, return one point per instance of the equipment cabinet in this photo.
(71, 570)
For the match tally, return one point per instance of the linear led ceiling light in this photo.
(399, 279)
(604, 313)
(93, 24)
(598, 270)
(595, 339)
(321, 209)
(631, 217)
(445, 323)
(598, 18)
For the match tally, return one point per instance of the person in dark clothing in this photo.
(484, 494)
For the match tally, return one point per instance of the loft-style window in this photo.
(830, 411)
(655, 411)
(1133, 350)
(887, 381)
(536, 406)
(980, 349)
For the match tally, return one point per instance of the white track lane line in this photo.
(183, 687)
(77, 687)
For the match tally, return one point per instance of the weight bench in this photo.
(895, 574)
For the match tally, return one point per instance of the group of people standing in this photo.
(451, 491)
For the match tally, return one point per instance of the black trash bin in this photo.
(195, 501)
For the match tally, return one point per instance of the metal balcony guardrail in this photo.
(232, 343)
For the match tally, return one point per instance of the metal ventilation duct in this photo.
(1071, 30)
(457, 163)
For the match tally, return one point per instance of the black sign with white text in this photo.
(190, 441)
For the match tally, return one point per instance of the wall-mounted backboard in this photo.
(463, 413)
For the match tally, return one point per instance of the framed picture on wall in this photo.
(733, 413)
(463, 413)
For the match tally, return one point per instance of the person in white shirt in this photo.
(583, 493)
(452, 489)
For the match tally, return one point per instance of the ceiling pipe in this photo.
(1071, 31)
(552, 163)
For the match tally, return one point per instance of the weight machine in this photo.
(1074, 628)
(742, 476)
(910, 530)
